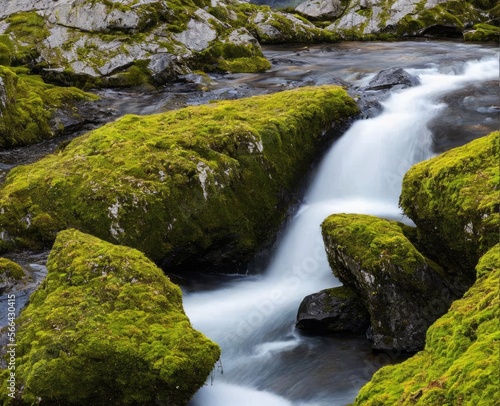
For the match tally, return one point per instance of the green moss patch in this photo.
(205, 184)
(106, 327)
(374, 243)
(454, 200)
(460, 363)
(28, 29)
(483, 32)
(9, 269)
(29, 104)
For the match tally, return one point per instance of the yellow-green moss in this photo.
(30, 103)
(483, 32)
(448, 14)
(454, 200)
(374, 243)
(189, 184)
(106, 327)
(9, 269)
(460, 362)
(28, 29)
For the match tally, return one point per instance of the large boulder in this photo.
(200, 186)
(333, 310)
(459, 364)
(321, 9)
(31, 110)
(279, 27)
(128, 42)
(382, 19)
(403, 291)
(106, 327)
(454, 200)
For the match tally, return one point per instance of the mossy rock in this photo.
(460, 362)
(483, 32)
(28, 105)
(10, 270)
(102, 43)
(200, 186)
(403, 291)
(454, 201)
(106, 327)
(388, 20)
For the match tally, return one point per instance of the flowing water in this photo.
(265, 361)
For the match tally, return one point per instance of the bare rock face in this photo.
(333, 310)
(320, 9)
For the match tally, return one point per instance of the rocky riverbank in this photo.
(453, 200)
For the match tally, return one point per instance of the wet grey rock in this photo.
(320, 9)
(389, 78)
(333, 310)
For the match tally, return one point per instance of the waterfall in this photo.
(252, 318)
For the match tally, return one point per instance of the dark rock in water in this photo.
(442, 31)
(389, 78)
(379, 89)
(403, 291)
(369, 103)
(333, 310)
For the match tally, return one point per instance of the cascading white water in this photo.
(253, 318)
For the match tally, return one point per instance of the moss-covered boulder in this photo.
(106, 327)
(372, 19)
(454, 200)
(31, 110)
(333, 310)
(483, 32)
(132, 42)
(403, 291)
(11, 274)
(200, 186)
(460, 362)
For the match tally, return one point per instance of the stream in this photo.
(265, 360)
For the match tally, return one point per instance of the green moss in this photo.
(403, 291)
(483, 32)
(459, 365)
(106, 327)
(181, 184)
(230, 57)
(30, 105)
(28, 29)
(373, 243)
(454, 201)
(449, 14)
(9, 269)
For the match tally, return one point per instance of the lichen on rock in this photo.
(93, 43)
(106, 327)
(379, 19)
(203, 185)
